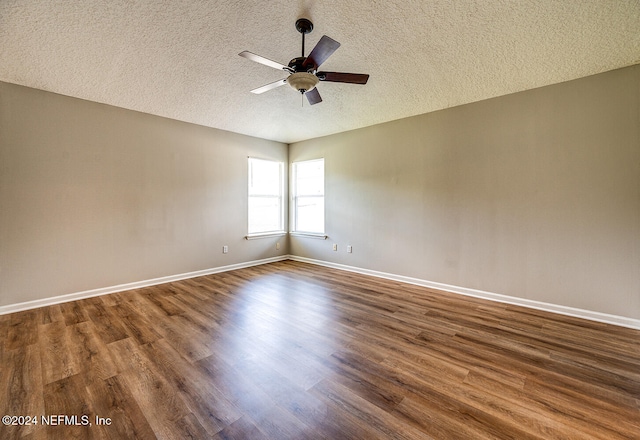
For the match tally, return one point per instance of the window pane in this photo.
(264, 177)
(264, 214)
(310, 214)
(310, 178)
(308, 197)
(266, 189)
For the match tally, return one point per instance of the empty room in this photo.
(320, 220)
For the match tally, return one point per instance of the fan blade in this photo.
(262, 60)
(270, 86)
(351, 78)
(313, 96)
(323, 50)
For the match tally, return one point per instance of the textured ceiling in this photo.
(179, 58)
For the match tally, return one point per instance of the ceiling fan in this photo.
(303, 71)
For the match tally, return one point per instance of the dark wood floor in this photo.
(290, 350)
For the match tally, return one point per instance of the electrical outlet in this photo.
(277, 246)
(349, 249)
(335, 247)
(225, 249)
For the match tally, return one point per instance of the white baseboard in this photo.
(554, 308)
(11, 308)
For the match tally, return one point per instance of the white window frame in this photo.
(279, 197)
(294, 201)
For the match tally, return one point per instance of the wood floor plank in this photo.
(210, 407)
(22, 329)
(90, 354)
(437, 422)
(162, 300)
(69, 398)
(135, 323)
(281, 424)
(241, 429)
(58, 361)
(4, 326)
(185, 338)
(108, 325)
(73, 312)
(190, 427)
(112, 399)
(489, 409)
(155, 396)
(365, 379)
(292, 350)
(21, 388)
(369, 418)
(240, 390)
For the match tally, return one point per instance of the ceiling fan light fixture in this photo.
(303, 81)
(303, 71)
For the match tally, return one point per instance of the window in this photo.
(308, 196)
(266, 187)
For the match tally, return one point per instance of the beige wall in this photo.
(534, 195)
(93, 196)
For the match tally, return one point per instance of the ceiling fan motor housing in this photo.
(296, 65)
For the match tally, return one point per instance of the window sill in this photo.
(264, 235)
(309, 235)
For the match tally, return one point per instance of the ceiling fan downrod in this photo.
(304, 26)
